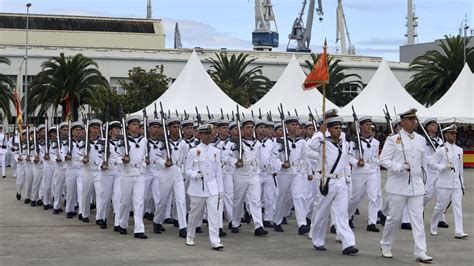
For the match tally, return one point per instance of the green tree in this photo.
(338, 80)
(436, 71)
(77, 78)
(230, 73)
(6, 94)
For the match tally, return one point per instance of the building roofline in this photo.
(80, 17)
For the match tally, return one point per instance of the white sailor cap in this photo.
(63, 124)
(232, 124)
(206, 128)
(260, 123)
(451, 128)
(186, 123)
(364, 119)
(319, 121)
(211, 121)
(247, 121)
(223, 122)
(270, 124)
(38, 128)
(291, 119)
(132, 119)
(114, 124)
(278, 125)
(429, 121)
(330, 113)
(95, 122)
(410, 113)
(172, 121)
(337, 120)
(195, 125)
(52, 129)
(77, 124)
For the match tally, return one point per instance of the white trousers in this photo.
(110, 195)
(37, 178)
(91, 182)
(296, 185)
(132, 189)
(28, 180)
(171, 180)
(48, 173)
(20, 177)
(337, 196)
(59, 178)
(228, 184)
(414, 206)
(3, 161)
(198, 204)
(152, 191)
(445, 195)
(73, 189)
(312, 192)
(269, 195)
(364, 184)
(248, 189)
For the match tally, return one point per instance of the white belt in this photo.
(336, 176)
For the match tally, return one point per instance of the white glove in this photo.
(405, 167)
(449, 166)
(199, 176)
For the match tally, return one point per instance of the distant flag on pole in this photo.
(67, 112)
(19, 114)
(319, 75)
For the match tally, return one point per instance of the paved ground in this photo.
(32, 236)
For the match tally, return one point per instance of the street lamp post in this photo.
(25, 83)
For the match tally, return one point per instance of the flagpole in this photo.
(323, 165)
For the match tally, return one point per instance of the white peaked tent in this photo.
(194, 88)
(288, 90)
(457, 105)
(383, 89)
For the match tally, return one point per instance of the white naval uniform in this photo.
(92, 178)
(268, 182)
(3, 151)
(111, 183)
(338, 193)
(152, 177)
(48, 171)
(404, 188)
(20, 170)
(73, 174)
(365, 180)
(59, 175)
(227, 179)
(132, 184)
(247, 182)
(28, 170)
(292, 180)
(37, 172)
(431, 173)
(449, 185)
(172, 180)
(205, 192)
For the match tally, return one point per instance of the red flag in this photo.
(319, 75)
(19, 114)
(66, 113)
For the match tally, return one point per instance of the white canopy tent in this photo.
(194, 88)
(288, 90)
(383, 89)
(457, 104)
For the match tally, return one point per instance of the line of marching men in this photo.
(189, 172)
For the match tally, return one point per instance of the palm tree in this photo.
(436, 70)
(338, 80)
(6, 86)
(231, 75)
(76, 78)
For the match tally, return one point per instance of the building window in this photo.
(116, 86)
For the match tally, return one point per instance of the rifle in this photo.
(46, 139)
(403, 150)
(105, 160)
(86, 151)
(165, 133)
(35, 142)
(251, 112)
(186, 117)
(124, 132)
(222, 115)
(145, 134)
(285, 139)
(58, 139)
(356, 124)
(28, 147)
(311, 118)
(388, 118)
(428, 136)
(69, 139)
(237, 116)
(208, 113)
(296, 113)
(179, 131)
(155, 113)
(198, 116)
(259, 113)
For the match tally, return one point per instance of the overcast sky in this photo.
(376, 27)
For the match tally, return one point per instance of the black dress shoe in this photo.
(205, 221)
(45, 207)
(333, 229)
(33, 203)
(4, 176)
(357, 212)
(85, 220)
(260, 232)
(176, 223)
(267, 224)
(157, 228)
(150, 217)
(103, 224)
(98, 222)
(229, 225)
(382, 218)
(406, 226)
(27, 201)
(350, 251)
(122, 231)
(221, 233)
(140, 236)
(39, 202)
(351, 224)
(247, 217)
(303, 230)
(131, 214)
(116, 228)
(320, 248)
(235, 230)
(18, 196)
(69, 215)
(60, 210)
(278, 228)
(169, 221)
(93, 206)
(372, 228)
(55, 211)
(74, 213)
(308, 221)
(443, 224)
(145, 216)
(198, 230)
(80, 217)
(183, 233)
(284, 221)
